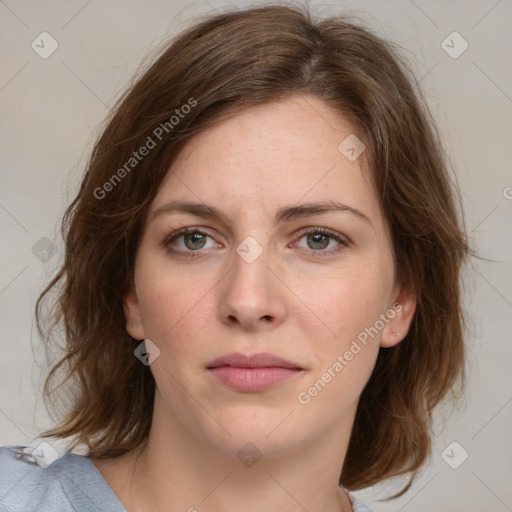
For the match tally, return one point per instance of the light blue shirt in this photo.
(69, 484)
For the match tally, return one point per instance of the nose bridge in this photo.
(251, 292)
(250, 276)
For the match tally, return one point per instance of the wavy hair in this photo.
(219, 66)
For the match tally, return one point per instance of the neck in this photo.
(177, 470)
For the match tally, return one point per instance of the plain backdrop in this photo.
(51, 110)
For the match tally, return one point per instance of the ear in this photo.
(133, 316)
(400, 314)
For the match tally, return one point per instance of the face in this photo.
(262, 271)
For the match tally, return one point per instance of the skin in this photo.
(290, 301)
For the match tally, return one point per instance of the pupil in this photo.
(316, 240)
(195, 242)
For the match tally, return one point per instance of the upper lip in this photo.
(261, 360)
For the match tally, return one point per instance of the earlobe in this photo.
(133, 316)
(400, 316)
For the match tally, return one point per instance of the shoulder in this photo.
(39, 480)
(26, 485)
(359, 506)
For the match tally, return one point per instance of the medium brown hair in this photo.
(220, 66)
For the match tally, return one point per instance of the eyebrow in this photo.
(284, 214)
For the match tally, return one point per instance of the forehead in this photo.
(280, 153)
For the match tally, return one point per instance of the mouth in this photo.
(253, 373)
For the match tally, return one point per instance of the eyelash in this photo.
(191, 254)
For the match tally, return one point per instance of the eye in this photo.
(192, 240)
(318, 239)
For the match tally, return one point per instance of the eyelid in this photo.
(183, 231)
(342, 240)
(325, 231)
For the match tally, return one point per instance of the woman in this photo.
(261, 288)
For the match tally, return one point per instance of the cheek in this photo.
(344, 348)
(342, 335)
(342, 306)
(174, 308)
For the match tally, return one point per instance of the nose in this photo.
(252, 295)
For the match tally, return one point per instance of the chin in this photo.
(270, 432)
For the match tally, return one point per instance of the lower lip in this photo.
(252, 380)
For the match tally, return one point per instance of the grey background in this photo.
(51, 110)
